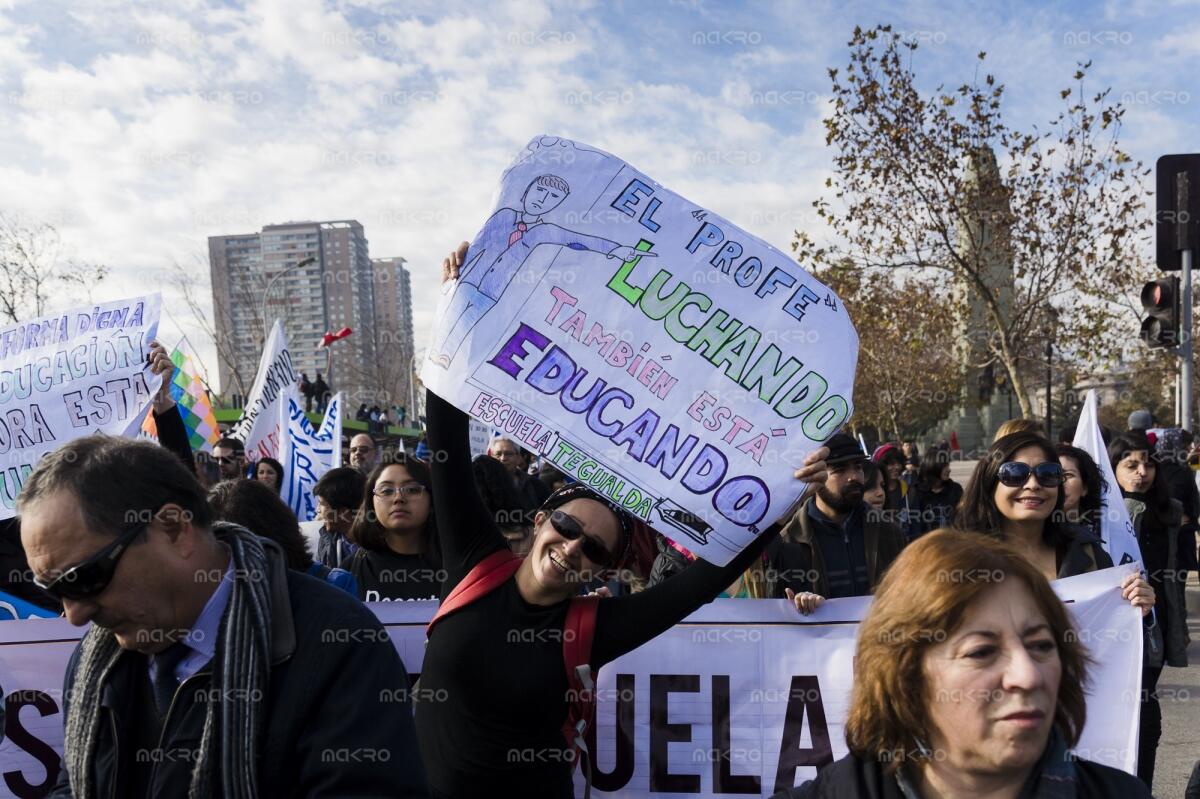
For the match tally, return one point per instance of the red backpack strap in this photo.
(485, 576)
(578, 632)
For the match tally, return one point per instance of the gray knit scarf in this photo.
(239, 677)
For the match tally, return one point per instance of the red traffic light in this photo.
(1158, 295)
(1160, 299)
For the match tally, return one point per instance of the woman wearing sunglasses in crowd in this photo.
(395, 530)
(1156, 519)
(1016, 493)
(500, 658)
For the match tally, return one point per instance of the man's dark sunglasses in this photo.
(569, 528)
(1015, 474)
(87, 579)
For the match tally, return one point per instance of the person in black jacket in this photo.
(1156, 518)
(836, 546)
(501, 657)
(339, 493)
(210, 669)
(967, 687)
(936, 494)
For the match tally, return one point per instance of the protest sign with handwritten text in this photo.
(646, 346)
(72, 374)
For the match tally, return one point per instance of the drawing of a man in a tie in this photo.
(507, 239)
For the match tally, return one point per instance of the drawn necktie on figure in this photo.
(507, 239)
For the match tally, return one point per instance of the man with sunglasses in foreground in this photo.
(834, 546)
(210, 668)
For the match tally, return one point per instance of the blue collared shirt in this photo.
(201, 639)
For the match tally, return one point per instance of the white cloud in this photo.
(159, 126)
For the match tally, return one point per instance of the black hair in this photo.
(277, 466)
(229, 442)
(871, 473)
(933, 463)
(1158, 498)
(495, 485)
(1093, 481)
(341, 488)
(977, 510)
(260, 510)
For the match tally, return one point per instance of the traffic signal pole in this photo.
(1185, 348)
(1169, 300)
(1184, 244)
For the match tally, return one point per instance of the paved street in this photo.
(1179, 693)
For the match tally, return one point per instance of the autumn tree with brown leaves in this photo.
(1065, 207)
(908, 376)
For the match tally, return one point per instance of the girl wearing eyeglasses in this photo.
(396, 532)
(1016, 493)
(1156, 519)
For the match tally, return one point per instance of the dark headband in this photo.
(625, 522)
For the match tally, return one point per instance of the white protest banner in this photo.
(72, 374)
(744, 695)
(306, 454)
(1116, 529)
(481, 437)
(259, 428)
(644, 345)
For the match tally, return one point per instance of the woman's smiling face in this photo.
(1030, 501)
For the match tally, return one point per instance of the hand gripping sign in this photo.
(644, 345)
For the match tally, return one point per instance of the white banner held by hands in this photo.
(644, 345)
(69, 375)
(741, 692)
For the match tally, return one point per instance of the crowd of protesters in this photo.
(218, 630)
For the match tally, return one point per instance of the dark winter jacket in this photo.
(1084, 553)
(338, 719)
(855, 778)
(1165, 577)
(797, 558)
(933, 509)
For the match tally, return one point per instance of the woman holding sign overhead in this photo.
(514, 647)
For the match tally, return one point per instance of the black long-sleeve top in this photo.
(172, 434)
(494, 689)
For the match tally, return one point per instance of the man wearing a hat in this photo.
(836, 545)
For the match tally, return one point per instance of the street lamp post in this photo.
(271, 285)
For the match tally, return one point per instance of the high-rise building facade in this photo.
(394, 332)
(259, 271)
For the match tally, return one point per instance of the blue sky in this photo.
(141, 128)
